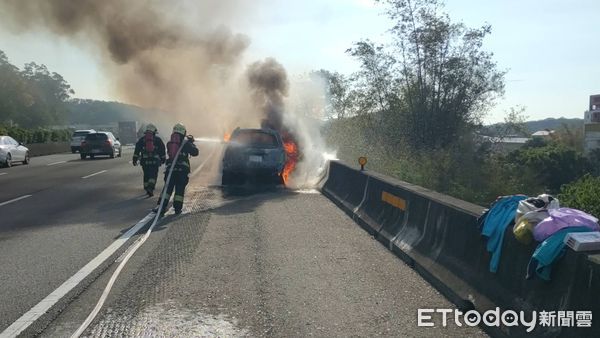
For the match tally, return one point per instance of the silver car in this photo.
(78, 137)
(12, 151)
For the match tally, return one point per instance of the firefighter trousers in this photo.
(150, 177)
(179, 180)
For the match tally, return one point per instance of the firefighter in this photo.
(152, 151)
(181, 168)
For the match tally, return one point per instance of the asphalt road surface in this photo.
(243, 262)
(56, 214)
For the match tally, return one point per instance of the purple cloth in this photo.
(563, 218)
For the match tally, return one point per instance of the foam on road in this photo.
(273, 263)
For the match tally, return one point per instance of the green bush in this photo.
(549, 166)
(583, 194)
(37, 135)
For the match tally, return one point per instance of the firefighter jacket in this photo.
(150, 158)
(183, 160)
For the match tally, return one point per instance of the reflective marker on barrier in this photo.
(393, 200)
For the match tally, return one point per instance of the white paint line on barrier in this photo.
(14, 200)
(94, 174)
(42, 307)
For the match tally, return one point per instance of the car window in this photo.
(12, 141)
(80, 133)
(255, 138)
(96, 137)
(1, 141)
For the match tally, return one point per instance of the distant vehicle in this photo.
(12, 151)
(100, 143)
(253, 154)
(128, 132)
(77, 137)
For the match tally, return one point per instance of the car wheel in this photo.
(112, 155)
(73, 151)
(26, 160)
(226, 179)
(92, 156)
(83, 156)
(8, 163)
(120, 151)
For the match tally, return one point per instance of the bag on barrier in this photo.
(564, 218)
(523, 231)
(542, 202)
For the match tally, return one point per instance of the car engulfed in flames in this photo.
(257, 155)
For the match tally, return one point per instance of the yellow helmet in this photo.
(151, 127)
(179, 128)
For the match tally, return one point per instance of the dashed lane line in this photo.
(94, 174)
(3, 174)
(55, 163)
(15, 199)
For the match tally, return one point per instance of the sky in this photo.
(549, 47)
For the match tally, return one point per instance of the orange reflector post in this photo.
(393, 200)
(362, 161)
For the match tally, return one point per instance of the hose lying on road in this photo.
(136, 246)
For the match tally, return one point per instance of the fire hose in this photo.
(135, 247)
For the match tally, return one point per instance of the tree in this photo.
(339, 94)
(49, 93)
(569, 136)
(375, 81)
(13, 90)
(446, 81)
(32, 97)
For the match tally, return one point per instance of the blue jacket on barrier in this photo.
(500, 215)
(549, 251)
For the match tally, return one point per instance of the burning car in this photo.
(257, 154)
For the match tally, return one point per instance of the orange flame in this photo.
(291, 150)
(227, 137)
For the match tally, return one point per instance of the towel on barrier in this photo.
(549, 251)
(500, 215)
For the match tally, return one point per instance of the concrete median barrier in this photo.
(439, 237)
(41, 149)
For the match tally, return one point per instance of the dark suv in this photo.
(253, 153)
(100, 143)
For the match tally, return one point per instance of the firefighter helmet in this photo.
(179, 128)
(151, 127)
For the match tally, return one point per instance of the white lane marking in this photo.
(42, 307)
(131, 250)
(14, 200)
(3, 174)
(94, 174)
(55, 163)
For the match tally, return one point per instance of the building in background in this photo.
(591, 125)
(506, 144)
(543, 134)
